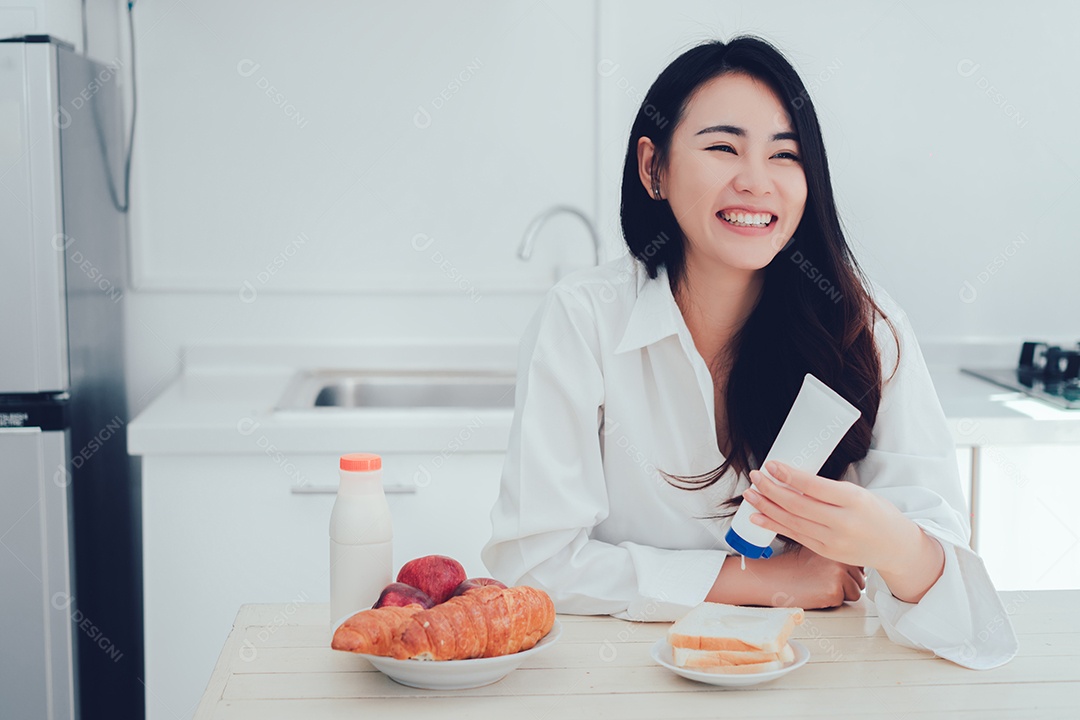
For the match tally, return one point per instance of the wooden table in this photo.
(277, 663)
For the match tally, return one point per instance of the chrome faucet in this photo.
(525, 251)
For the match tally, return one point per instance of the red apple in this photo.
(473, 583)
(399, 595)
(437, 575)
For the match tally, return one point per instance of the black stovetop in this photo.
(1048, 372)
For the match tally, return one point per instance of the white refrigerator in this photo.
(70, 606)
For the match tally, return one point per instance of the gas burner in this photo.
(1049, 364)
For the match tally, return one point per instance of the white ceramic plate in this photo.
(458, 674)
(661, 653)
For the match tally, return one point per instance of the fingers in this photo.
(858, 574)
(852, 591)
(823, 489)
(791, 500)
(774, 517)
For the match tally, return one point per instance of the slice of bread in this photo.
(713, 660)
(716, 626)
(743, 669)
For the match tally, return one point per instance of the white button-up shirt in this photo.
(611, 389)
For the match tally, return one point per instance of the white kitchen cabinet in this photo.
(220, 531)
(1029, 516)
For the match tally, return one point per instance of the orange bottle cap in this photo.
(361, 462)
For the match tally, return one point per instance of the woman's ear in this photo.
(645, 156)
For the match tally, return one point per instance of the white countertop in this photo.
(225, 394)
(981, 413)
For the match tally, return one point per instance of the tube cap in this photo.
(360, 462)
(744, 548)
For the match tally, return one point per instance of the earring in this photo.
(656, 190)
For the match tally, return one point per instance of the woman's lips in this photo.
(747, 229)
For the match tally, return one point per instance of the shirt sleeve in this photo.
(912, 463)
(553, 490)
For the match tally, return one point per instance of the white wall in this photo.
(949, 193)
(340, 138)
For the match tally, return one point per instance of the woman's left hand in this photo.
(842, 521)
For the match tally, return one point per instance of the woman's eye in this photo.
(730, 149)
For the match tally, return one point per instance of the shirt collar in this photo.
(653, 316)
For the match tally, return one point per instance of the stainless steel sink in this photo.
(313, 389)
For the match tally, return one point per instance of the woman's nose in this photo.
(752, 175)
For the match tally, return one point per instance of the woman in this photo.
(650, 387)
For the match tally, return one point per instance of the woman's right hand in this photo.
(798, 578)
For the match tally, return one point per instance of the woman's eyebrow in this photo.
(732, 130)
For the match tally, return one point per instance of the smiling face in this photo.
(733, 178)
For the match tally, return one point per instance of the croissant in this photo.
(484, 622)
(372, 631)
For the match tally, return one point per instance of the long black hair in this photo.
(814, 315)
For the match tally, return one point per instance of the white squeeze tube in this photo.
(816, 423)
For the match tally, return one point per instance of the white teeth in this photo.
(747, 219)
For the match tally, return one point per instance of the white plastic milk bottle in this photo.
(361, 537)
